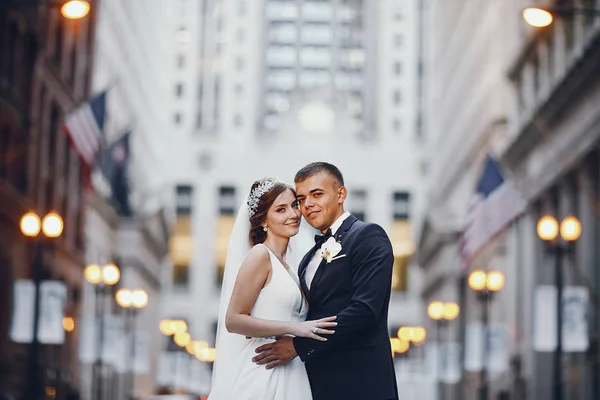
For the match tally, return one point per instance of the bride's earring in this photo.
(265, 228)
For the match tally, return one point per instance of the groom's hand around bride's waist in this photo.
(277, 353)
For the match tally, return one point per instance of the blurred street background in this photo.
(131, 130)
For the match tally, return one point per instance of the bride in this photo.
(261, 299)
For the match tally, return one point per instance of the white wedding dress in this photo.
(241, 379)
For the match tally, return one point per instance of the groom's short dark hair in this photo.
(316, 168)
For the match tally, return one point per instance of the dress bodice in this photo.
(281, 299)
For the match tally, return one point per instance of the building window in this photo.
(358, 204)
(237, 120)
(424, 166)
(180, 61)
(400, 274)
(397, 68)
(180, 242)
(177, 118)
(397, 97)
(240, 34)
(184, 199)
(402, 242)
(398, 40)
(243, 8)
(239, 90)
(397, 125)
(181, 276)
(226, 200)
(224, 227)
(239, 63)
(401, 205)
(179, 90)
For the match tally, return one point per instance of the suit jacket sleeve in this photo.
(372, 264)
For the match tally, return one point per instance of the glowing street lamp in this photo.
(494, 281)
(547, 228)
(477, 280)
(131, 301)
(182, 339)
(103, 278)
(75, 9)
(206, 355)
(30, 224)
(51, 226)
(124, 298)
(570, 229)
(435, 310)
(550, 231)
(485, 285)
(68, 324)
(451, 311)
(543, 17)
(108, 275)
(441, 313)
(537, 17)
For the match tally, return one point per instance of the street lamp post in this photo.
(441, 313)
(485, 286)
(51, 226)
(103, 278)
(131, 301)
(542, 17)
(548, 230)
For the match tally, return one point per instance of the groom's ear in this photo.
(342, 193)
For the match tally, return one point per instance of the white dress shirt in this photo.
(313, 265)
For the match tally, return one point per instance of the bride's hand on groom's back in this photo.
(313, 329)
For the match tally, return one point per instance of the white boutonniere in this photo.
(330, 249)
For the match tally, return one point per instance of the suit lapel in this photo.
(339, 235)
(302, 269)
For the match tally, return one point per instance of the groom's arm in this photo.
(372, 280)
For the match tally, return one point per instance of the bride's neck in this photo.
(278, 246)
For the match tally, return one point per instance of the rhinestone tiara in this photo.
(256, 194)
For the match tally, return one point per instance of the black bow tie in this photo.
(320, 239)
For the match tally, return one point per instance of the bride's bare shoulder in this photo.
(258, 255)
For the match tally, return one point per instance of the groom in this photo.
(351, 281)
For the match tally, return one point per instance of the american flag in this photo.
(495, 206)
(84, 126)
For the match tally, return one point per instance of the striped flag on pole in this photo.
(494, 207)
(84, 126)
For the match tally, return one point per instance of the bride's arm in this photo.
(252, 277)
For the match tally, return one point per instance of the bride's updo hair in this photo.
(262, 196)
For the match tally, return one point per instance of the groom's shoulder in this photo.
(361, 228)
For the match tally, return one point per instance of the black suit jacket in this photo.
(355, 362)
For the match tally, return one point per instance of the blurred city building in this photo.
(262, 88)
(494, 85)
(128, 218)
(45, 71)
